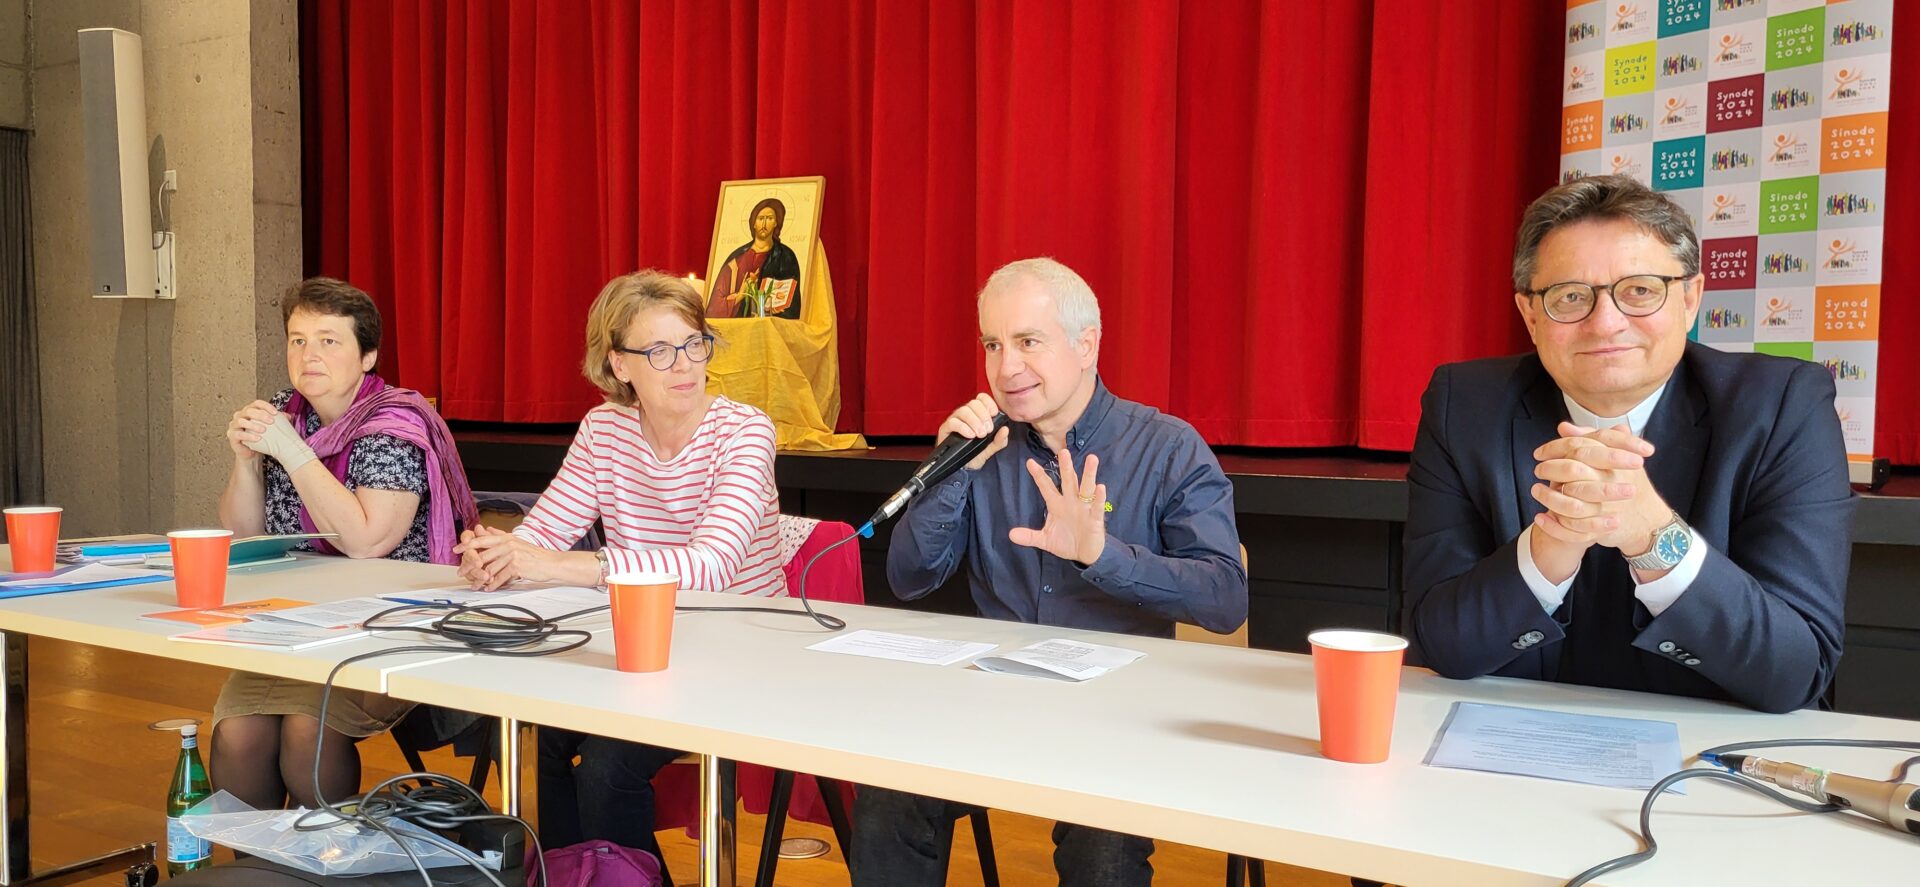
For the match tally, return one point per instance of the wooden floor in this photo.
(99, 780)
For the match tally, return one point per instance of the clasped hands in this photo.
(1596, 491)
(491, 558)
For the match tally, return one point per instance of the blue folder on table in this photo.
(13, 591)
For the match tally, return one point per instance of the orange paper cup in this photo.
(200, 566)
(32, 533)
(1356, 677)
(642, 619)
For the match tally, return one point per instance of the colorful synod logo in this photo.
(1788, 98)
(1842, 253)
(1733, 47)
(1681, 63)
(1580, 77)
(1844, 370)
(1727, 159)
(1787, 147)
(1579, 31)
(1625, 122)
(1846, 83)
(1725, 319)
(1850, 33)
(1629, 17)
(1726, 208)
(1847, 203)
(1627, 165)
(1676, 113)
(1782, 263)
(1782, 312)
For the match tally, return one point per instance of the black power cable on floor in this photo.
(434, 801)
(431, 800)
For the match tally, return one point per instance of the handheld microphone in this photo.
(952, 452)
(1896, 804)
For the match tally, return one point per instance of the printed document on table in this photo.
(351, 613)
(1061, 659)
(457, 596)
(1592, 749)
(548, 602)
(283, 635)
(558, 601)
(902, 647)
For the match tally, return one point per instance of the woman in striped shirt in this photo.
(681, 481)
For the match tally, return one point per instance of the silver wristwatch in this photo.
(1670, 545)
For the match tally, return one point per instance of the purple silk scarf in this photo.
(380, 408)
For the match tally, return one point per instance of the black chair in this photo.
(418, 732)
(1245, 872)
(782, 795)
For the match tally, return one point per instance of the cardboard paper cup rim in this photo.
(642, 579)
(1356, 640)
(198, 534)
(34, 509)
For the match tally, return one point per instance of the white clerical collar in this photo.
(1635, 418)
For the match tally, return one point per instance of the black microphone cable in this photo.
(1712, 756)
(432, 800)
(826, 620)
(435, 801)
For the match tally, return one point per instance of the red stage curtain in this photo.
(1291, 212)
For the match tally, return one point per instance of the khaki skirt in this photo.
(354, 713)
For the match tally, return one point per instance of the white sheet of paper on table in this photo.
(1060, 658)
(902, 647)
(350, 613)
(1590, 749)
(548, 602)
(282, 635)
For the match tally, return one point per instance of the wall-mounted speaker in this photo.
(124, 261)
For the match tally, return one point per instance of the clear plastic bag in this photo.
(346, 849)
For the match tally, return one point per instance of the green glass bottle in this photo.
(190, 786)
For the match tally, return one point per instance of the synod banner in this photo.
(1767, 121)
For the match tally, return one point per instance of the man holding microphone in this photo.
(1132, 544)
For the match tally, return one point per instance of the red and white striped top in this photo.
(709, 515)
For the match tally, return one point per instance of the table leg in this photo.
(510, 766)
(717, 802)
(16, 860)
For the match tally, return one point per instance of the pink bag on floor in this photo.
(597, 864)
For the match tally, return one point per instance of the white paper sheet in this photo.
(902, 647)
(549, 602)
(283, 635)
(1591, 749)
(1060, 658)
(351, 613)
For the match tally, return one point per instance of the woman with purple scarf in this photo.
(340, 452)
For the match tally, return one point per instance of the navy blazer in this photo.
(1747, 449)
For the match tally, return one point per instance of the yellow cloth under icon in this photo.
(790, 368)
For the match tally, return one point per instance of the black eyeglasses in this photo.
(1636, 295)
(662, 357)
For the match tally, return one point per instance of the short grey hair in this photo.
(1606, 198)
(1078, 309)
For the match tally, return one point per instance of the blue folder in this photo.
(31, 590)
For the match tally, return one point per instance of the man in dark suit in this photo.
(1624, 508)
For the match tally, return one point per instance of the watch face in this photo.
(1672, 545)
